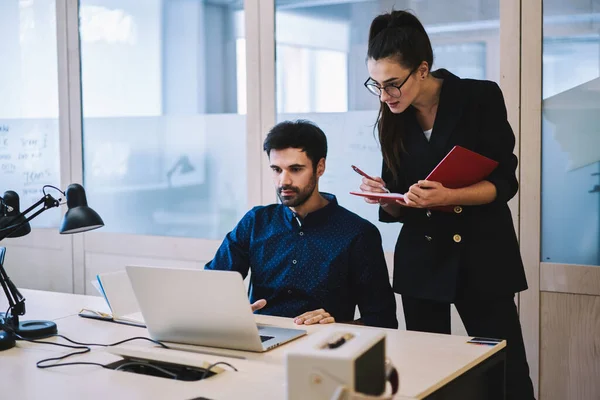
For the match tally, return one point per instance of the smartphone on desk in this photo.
(482, 340)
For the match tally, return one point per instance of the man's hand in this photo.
(258, 304)
(313, 317)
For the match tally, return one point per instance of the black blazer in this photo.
(474, 250)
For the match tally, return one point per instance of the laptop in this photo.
(202, 307)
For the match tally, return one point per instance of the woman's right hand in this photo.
(375, 185)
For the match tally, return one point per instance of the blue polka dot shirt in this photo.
(331, 259)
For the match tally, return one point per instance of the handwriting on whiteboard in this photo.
(22, 158)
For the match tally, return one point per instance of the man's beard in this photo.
(301, 196)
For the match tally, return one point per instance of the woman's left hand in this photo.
(427, 194)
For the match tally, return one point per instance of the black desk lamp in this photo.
(183, 164)
(78, 218)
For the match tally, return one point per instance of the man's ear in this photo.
(321, 167)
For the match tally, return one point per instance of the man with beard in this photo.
(310, 259)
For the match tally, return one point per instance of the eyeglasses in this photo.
(392, 90)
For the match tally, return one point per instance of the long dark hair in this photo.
(398, 35)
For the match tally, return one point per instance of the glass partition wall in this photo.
(163, 93)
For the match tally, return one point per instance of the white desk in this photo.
(428, 364)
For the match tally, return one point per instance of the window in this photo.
(570, 136)
(320, 64)
(29, 146)
(164, 138)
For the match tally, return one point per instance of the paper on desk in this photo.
(96, 286)
(135, 318)
(118, 293)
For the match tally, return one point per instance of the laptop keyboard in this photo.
(265, 338)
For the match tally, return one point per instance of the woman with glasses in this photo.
(469, 257)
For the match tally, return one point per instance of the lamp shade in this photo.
(12, 216)
(186, 165)
(79, 217)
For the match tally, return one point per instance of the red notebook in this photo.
(460, 168)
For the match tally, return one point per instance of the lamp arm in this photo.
(48, 202)
(16, 300)
(172, 170)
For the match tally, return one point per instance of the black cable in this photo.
(53, 187)
(214, 365)
(42, 363)
(82, 346)
(68, 346)
(85, 348)
(164, 346)
(69, 363)
(164, 371)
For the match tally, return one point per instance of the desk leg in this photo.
(485, 381)
(496, 379)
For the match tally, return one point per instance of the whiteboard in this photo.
(30, 159)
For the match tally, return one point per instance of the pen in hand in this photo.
(361, 172)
